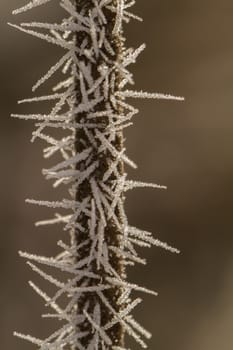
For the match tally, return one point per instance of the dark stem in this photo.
(111, 234)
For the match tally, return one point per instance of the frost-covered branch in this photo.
(90, 106)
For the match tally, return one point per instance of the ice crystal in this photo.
(90, 104)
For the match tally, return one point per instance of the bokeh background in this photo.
(187, 146)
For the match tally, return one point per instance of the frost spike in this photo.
(29, 6)
(141, 94)
(28, 338)
(51, 71)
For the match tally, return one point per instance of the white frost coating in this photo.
(30, 6)
(124, 313)
(119, 17)
(141, 94)
(130, 185)
(41, 98)
(59, 42)
(51, 71)
(102, 333)
(29, 338)
(96, 105)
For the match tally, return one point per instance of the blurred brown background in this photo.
(188, 147)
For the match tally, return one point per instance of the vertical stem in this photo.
(111, 234)
(90, 104)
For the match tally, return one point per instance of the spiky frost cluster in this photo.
(90, 106)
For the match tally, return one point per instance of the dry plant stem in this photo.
(90, 107)
(111, 232)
